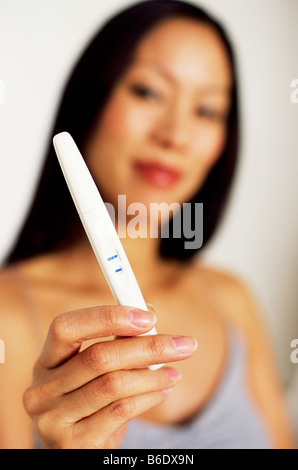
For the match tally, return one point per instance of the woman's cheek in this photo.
(210, 145)
(124, 123)
(113, 123)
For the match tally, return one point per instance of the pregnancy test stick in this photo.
(99, 226)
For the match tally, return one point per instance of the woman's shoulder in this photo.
(233, 297)
(22, 280)
(19, 318)
(221, 281)
(15, 322)
(11, 298)
(20, 352)
(238, 304)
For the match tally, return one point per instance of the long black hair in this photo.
(52, 220)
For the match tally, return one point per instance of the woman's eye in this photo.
(144, 92)
(210, 113)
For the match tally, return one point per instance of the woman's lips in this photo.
(157, 174)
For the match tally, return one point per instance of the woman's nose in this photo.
(172, 129)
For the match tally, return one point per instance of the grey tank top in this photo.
(229, 420)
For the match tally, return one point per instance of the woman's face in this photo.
(164, 126)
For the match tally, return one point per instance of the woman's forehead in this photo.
(185, 49)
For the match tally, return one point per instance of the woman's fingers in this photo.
(111, 387)
(81, 398)
(95, 430)
(126, 353)
(69, 330)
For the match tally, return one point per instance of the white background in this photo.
(39, 42)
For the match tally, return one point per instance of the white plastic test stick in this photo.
(99, 226)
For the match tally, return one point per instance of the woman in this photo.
(152, 104)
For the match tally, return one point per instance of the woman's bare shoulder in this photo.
(19, 320)
(16, 333)
(238, 304)
(11, 300)
(233, 296)
(15, 323)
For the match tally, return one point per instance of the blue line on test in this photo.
(112, 257)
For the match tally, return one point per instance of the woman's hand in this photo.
(84, 399)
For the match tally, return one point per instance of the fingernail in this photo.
(167, 390)
(173, 374)
(185, 344)
(151, 308)
(142, 318)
